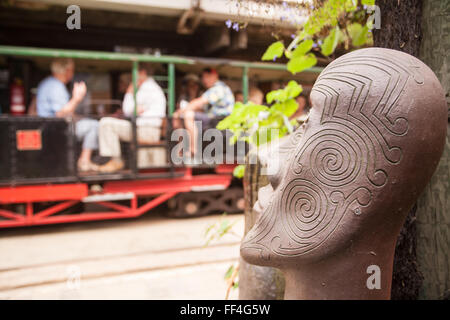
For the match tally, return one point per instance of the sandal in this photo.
(84, 166)
(112, 165)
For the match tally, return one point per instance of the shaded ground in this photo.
(153, 257)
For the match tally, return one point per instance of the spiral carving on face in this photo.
(304, 207)
(340, 163)
(309, 216)
(335, 161)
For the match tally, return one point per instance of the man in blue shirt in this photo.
(217, 101)
(53, 100)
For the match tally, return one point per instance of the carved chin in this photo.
(272, 249)
(273, 253)
(254, 256)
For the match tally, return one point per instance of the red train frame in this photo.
(67, 195)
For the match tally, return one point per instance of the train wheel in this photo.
(185, 205)
(196, 204)
(240, 204)
(191, 208)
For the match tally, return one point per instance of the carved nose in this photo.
(264, 195)
(275, 180)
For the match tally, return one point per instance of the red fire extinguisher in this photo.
(17, 98)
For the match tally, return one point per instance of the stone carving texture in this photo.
(342, 168)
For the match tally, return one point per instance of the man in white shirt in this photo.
(151, 109)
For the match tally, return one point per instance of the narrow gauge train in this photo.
(39, 181)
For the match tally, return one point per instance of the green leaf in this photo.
(223, 226)
(302, 48)
(209, 229)
(358, 34)
(287, 108)
(279, 95)
(234, 138)
(351, 5)
(293, 89)
(235, 116)
(331, 41)
(368, 2)
(311, 28)
(229, 272)
(299, 64)
(224, 124)
(274, 50)
(266, 134)
(252, 110)
(240, 119)
(239, 171)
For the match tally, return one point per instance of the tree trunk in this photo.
(401, 30)
(421, 264)
(256, 282)
(433, 207)
(400, 25)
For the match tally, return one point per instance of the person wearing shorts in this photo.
(151, 109)
(53, 100)
(216, 101)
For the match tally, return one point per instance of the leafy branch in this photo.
(217, 230)
(332, 24)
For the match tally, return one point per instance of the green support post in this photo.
(245, 83)
(171, 92)
(135, 88)
(97, 55)
(134, 74)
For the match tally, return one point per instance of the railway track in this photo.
(93, 257)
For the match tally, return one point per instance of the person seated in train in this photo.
(216, 101)
(238, 96)
(303, 107)
(256, 96)
(151, 109)
(53, 100)
(190, 90)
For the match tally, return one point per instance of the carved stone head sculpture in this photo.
(331, 215)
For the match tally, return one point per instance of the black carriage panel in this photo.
(36, 150)
(5, 151)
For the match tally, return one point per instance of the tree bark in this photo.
(422, 262)
(433, 206)
(401, 30)
(256, 282)
(400, 25)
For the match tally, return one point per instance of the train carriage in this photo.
(39, 180)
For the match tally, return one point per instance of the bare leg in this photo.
(176, 121)
(189, 124)
(86, 130)
(85, 155)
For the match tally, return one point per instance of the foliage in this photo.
(274, 51)
(335, 22)
(331, 24)
(215, 232)
(230, 275)
(259, 124)
(219, 229)
(239, 171)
